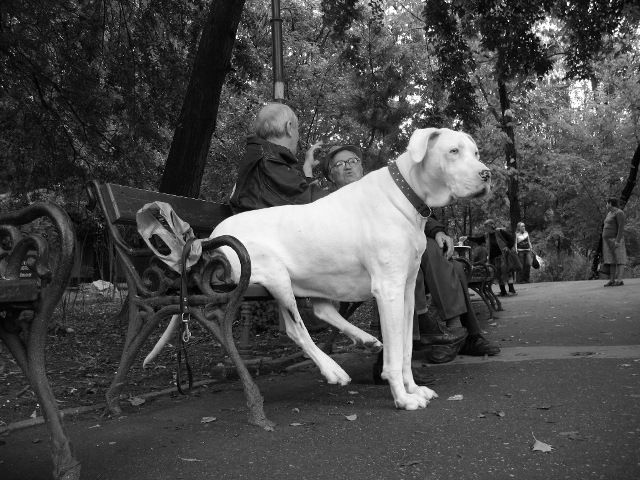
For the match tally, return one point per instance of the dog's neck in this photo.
(429, 190)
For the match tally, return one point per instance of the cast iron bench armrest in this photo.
(33, 278)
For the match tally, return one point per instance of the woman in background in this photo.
(523, 247)
(614, 253)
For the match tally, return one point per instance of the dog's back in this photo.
(329, 239)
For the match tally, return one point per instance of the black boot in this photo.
(503, 291)
(512, 290)
(432, 332)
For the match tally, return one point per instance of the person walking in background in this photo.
(525, 252)
(614, 252)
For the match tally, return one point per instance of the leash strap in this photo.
(422, 208)
(185, 333)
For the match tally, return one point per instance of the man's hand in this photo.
(309, 160)
(445, 242)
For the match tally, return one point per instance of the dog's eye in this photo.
(453, 150)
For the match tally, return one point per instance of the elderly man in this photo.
(444, 279)
(269, 174)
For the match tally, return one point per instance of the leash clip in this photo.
(186, 333)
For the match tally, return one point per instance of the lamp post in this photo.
(276, 55)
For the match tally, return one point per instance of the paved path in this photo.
(569, 374)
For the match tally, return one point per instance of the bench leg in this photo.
(244, 345)
(31, 359)
(138, 331)
(224, 333)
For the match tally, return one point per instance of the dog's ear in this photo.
(420, 142)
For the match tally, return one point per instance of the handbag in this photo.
(166, 235)
(535, 263)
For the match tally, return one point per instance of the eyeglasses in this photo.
(348, 161)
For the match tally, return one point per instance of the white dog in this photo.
(363, 240)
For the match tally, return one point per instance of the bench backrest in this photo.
(120, 204)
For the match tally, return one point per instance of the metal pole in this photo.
(276, 42)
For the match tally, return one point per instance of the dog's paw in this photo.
(374, 345)
(411, 401)
(426, 392)
(336, 376)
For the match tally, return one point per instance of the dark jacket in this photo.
(494, 247)
(432, 227)
(269, 176)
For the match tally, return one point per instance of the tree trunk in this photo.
(510, 155)
(188, 153)
(631, 179)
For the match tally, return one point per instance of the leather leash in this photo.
(184, 332)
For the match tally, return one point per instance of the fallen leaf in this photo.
(539, 446)
(455, 397)
(544, 407)
(190, 459)
(353, 392)
(500, 413)
(351, 418)
(295, 410)
(208, 419)
(296, 424)
(136, 401)
(482, 415)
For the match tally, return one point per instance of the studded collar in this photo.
(422, 208)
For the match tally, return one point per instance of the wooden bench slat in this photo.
(123, 203)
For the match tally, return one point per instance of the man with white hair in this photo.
(268, 174)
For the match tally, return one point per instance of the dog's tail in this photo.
(164, 339)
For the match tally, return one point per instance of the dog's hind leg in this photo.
(325, 310)
(297, 331)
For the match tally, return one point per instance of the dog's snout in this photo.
(485, 175)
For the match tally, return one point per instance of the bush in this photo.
(562, 267)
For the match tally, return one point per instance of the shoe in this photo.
(446, 337)
(503, 294)
(478, 346)
(512, 294)
(610, 283)
(618, 283)
(443, 353)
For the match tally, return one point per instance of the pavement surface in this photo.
(568, 376)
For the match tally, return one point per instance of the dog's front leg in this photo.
(407, 374)
(390, 296)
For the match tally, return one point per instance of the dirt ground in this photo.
(84, 347)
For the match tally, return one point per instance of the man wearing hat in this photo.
(444, 279)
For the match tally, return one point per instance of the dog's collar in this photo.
(422, 208)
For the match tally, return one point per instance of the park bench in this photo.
(34, 271)
(154, 289)
(480, 279)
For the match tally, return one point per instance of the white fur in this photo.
(363, 240)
